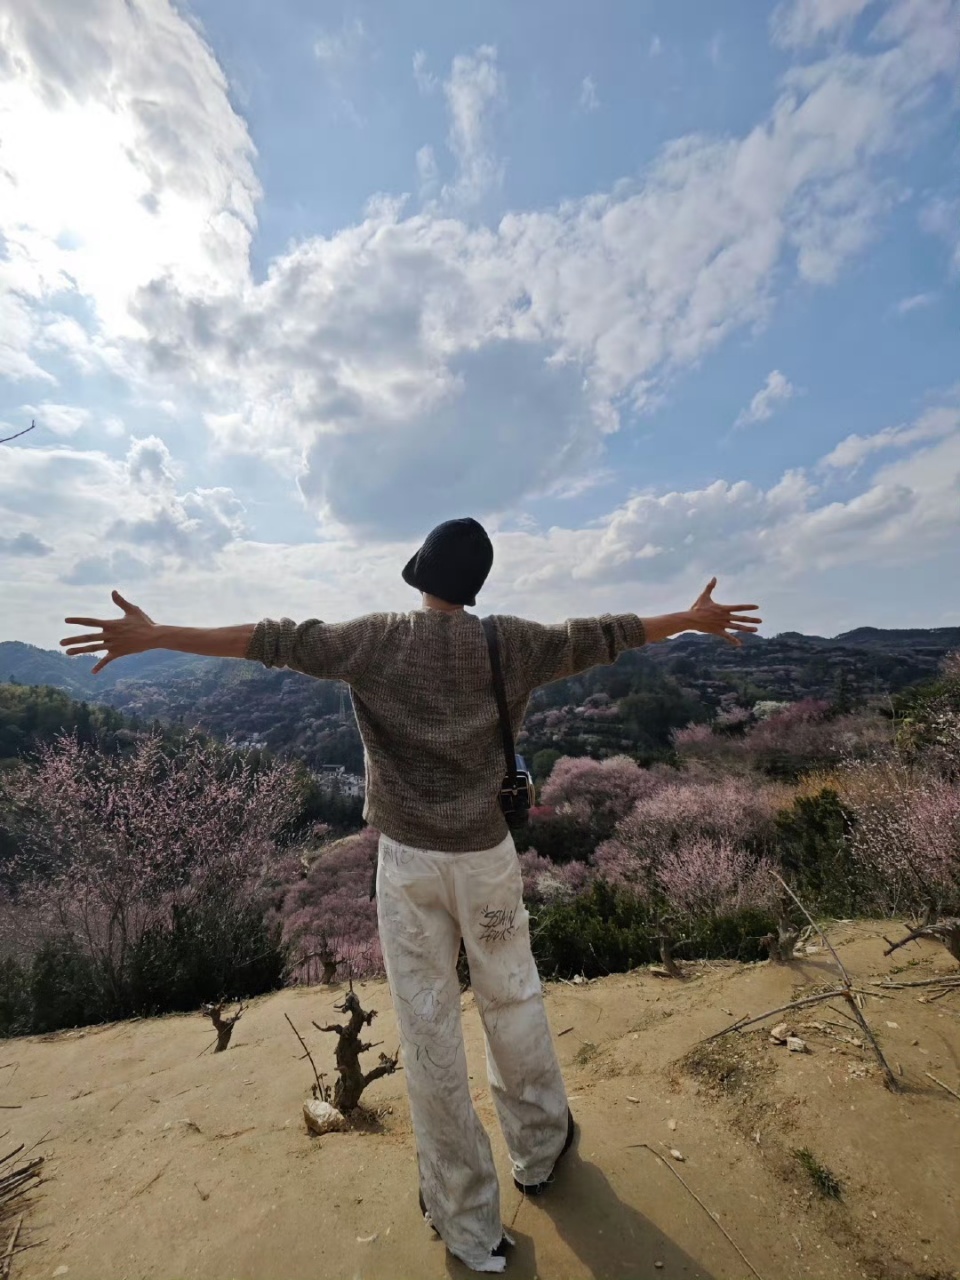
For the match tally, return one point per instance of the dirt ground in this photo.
(165, 1161)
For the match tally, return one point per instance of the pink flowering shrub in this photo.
(327, 910)
(545, 882)
(906, 837)
(142, 864)
(714, 877)
(793, 739)
(735, 809)
(697, 844)
(596, 791)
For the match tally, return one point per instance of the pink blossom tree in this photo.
(546, 883)
(793, 739)
(596, 791)
(906, 837)
(696, 844)
(712, 877)
(113, 849)
(329, 920)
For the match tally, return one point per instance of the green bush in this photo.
(814, 846)
(15, 1003)
(205, 953)
(609, 931)
(66, 989)
(559, 837)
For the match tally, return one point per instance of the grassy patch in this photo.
(586, 1053)
(720, 1064)
(825, 1182)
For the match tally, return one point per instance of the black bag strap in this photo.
(506, 732)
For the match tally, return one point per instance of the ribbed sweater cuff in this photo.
(635, 630)
(258, 646)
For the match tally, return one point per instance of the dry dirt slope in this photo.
(166, 1164)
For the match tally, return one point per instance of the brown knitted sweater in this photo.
(423, 694)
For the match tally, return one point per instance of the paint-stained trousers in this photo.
(426, 902)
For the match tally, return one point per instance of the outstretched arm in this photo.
(726, 620)
(134, 632)
(552, 652)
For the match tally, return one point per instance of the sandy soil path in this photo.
(167, 1162)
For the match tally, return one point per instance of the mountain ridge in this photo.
(653, 690)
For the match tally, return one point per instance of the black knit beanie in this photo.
(453, 562)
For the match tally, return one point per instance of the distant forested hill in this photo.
(638, 701)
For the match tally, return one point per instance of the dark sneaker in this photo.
(538, 1188)
(499, 1252)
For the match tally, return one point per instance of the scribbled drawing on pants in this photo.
(426, 902)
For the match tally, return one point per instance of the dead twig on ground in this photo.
(316, 1074)
(726, 1235)
(12, 1244)
(848, 991)
(742, 1023)
(945, 980)
(943, 1086)
(147, 1185)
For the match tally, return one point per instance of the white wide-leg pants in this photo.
(426, 902)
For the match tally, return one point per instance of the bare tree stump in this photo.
(224, 1026)
(666, 957)
(352, 1080)
(781, 944)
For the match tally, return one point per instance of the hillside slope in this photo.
(166, 1161)
(656, 689)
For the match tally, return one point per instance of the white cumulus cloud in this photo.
(61, 419)
(943, 420)
(803, 22)
(774, 391)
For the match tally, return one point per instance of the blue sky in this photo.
(657, 291)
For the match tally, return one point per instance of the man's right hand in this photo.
(134, 632)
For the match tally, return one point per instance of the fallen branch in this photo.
(943, 1086)
(848, 991)
(826, 941)
(718, 1225)
(741, 1024)
(945, 980)
(892, 1082)
(945, 931)
(5, 1260)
